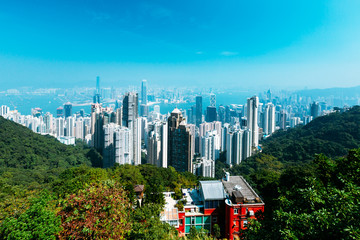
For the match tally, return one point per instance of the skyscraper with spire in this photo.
(97, 94)
(252, 119)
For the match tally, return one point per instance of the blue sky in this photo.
(245, 44)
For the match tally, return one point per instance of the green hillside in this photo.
(27, 158)
(334, 135)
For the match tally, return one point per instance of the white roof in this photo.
(176, 110)
(212, 190)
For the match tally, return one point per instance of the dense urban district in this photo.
(276, 167)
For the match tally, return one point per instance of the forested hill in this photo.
(332, 135)
(31, 158)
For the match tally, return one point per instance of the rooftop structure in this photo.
(239, 191)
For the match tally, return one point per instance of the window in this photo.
(192, 220)
(245, 222)
(236, 211)
(214, 219)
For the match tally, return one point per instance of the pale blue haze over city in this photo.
(246, 44)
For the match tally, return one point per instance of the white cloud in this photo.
(228, 54)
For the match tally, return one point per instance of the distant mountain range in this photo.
(336, 92)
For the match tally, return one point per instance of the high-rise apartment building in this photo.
(130, 120)
(60, 127)
(269, 119)
(157, 144)
(70, 126)
(198, 110)
(118, 146)
(179, 142)
(210, 145)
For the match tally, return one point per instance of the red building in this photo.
(241, 204)
(228, 203)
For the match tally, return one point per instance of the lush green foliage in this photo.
(39, 221)
(333, 135)
(34, 160)
(321, 202)
(66, 172)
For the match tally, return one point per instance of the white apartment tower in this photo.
(269, 119)
(157, 143)
(252, 119)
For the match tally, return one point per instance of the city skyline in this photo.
(271, 45)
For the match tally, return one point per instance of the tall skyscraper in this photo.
(252, 119)
(68, 109)
(130, 120)
(210, 145)
(211, 114)
(157, 142)
(269, 119)
(70, 127)
(108, 151)
(59, 112)
(80, 128)
(315, 110)
(283, 117)
(222, 114)
(198, 110)
(247, 142)
(60, 127)
(123, 146)
(143, 92)
(118, 146)
(268, 95)
(48, 120)
(212, 100)
(97, 127)
(179, 143)
(234, 147)
(97, 95)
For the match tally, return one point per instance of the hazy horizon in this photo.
(257, 45)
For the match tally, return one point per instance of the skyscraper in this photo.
(212, 100)
(97, 95)
(68, 109)
(143, 92)
(315, 110)
(157, 142)
(130, 120)
(269, 119)
(179, 142)
(211, 114)
(234, 147)
(283, 117)
(198, 110)
(118, 146)
(59, 112)
(108, 151)
(252, 119)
